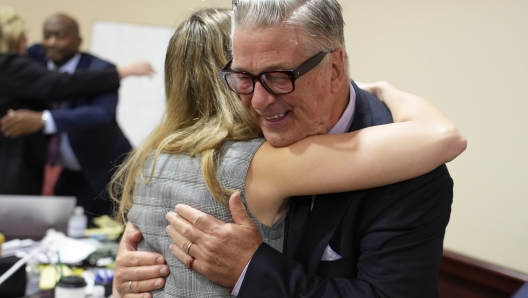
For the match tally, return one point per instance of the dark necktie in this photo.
(54, 143)
(52, 169)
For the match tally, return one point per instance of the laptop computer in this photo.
(23, 216)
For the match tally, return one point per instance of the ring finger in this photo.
(181, 232)
(188, 260)
(138, 289)
(179, 252)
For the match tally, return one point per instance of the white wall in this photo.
(141, 99)
(468, 57)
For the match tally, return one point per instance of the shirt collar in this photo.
(68, 67)
(346, 119)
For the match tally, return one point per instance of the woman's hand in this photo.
(135, 69)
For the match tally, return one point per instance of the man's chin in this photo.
(57, 60)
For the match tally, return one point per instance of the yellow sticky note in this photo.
(49, 276)
(2, 240)
(108, 228)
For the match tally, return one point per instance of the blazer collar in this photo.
(363, 112)
(328, 210)
(84, 62)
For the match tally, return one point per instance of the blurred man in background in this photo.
(85, 143)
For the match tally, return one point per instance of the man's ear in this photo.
(338, 69)
(79, 42)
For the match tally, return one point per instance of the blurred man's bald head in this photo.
(61, 38)
(66, 21)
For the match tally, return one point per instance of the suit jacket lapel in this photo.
(84, 62)
(296, 222)
(362, 112)
(328, 209)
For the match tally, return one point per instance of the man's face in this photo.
(288, 118)
(61, 41)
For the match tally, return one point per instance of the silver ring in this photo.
(188, 247)
(130, 286)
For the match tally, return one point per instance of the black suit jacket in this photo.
(390, 238)
(25, 84)
(23, 80)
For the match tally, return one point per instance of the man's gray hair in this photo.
(320, 20)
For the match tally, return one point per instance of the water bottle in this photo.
(77, 223)
(33, 278)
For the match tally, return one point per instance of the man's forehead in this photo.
(56, 27)
(60, 24)
(265, 49)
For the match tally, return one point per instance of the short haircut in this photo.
(321, 21)
(13, 28)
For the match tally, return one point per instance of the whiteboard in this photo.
(141, 99)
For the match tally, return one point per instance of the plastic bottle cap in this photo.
(79, 210)
(71, 282)
(33, 261)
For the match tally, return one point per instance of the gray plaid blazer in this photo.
(178, 179)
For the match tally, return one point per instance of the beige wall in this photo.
(468, 57)
(471, 59)
(158, 12)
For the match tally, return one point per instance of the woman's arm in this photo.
(135, 69)
(24, 78)
(420, 140)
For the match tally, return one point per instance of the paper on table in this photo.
(15, 246)
(72, 251)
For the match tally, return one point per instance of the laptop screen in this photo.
(23, 216)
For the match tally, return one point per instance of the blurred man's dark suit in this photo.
(95, 137)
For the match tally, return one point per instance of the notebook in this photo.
(23, 216)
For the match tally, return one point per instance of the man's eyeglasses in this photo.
(275, 82)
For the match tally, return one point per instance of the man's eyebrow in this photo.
(271, 67)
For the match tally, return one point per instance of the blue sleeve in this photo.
(100, 109)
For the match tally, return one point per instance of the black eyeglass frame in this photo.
(293, 74)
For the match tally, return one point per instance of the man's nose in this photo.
(261, 97)
(52, 40)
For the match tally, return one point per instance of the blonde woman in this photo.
(207, 146)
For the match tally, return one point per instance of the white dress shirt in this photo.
(67, 158)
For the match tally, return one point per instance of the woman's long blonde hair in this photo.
(201, 112)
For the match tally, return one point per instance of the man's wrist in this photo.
(238, 284)
(43, 119)
(48, 122)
